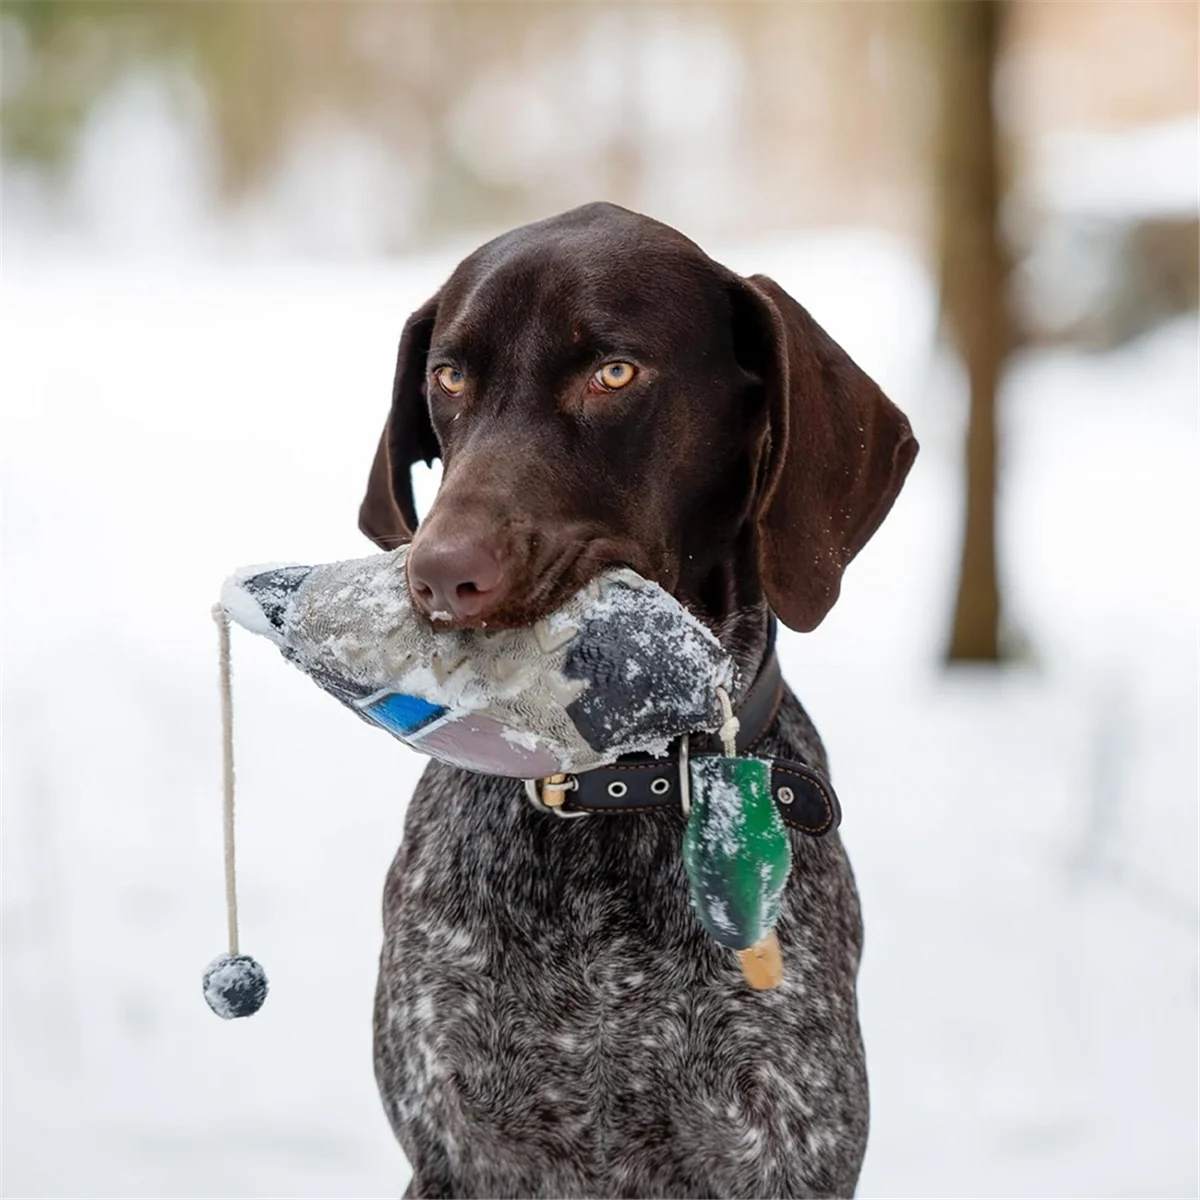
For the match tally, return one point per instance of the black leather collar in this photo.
(645, 783)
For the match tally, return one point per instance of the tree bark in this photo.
(974, 273)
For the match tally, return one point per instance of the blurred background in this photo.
(216, 217)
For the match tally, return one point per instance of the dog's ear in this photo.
(836, 453)
(388, 514)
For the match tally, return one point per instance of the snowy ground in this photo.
(1025, 842)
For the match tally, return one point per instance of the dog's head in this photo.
(601, 392)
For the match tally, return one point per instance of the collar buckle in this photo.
(553, 792)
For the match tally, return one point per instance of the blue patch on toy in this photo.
(403, 715)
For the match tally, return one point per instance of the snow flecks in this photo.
(719, 913)
(724, 806)
(521, 738)
(621, 666)
(253, 611)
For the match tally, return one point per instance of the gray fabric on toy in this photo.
(622, 666)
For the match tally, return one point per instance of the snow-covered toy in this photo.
(738, 858)
(620, 668)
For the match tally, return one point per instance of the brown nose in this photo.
(453, 579)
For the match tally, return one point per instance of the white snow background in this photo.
(1024, 840)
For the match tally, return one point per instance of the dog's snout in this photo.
(454, 579)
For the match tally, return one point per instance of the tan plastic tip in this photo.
(553, 797)
(762, 964)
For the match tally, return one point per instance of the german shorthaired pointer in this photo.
(551, 1019)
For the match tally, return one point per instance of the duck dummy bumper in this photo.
(621, 667)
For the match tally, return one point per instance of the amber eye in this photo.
(614, 375)
(450, 380)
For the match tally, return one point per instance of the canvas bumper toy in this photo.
(620, 668)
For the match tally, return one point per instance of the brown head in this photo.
(601, 392)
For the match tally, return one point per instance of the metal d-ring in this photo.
(685, 781)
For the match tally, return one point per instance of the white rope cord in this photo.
(730, 726)
(226, 675)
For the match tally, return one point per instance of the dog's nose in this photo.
(454, 579)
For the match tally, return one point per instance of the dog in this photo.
(551, 1019)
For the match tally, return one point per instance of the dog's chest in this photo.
(547, 995)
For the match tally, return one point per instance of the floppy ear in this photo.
(388, 514)
(836, 456)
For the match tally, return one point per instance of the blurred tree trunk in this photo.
(973, 279)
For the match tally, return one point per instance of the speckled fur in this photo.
(551, 1020)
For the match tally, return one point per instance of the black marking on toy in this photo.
(273, 590)
(635, 688)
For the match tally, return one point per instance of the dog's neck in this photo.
(729, 600)
(744, 634)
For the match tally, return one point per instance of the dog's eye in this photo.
(613, 375)
(450, 380)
